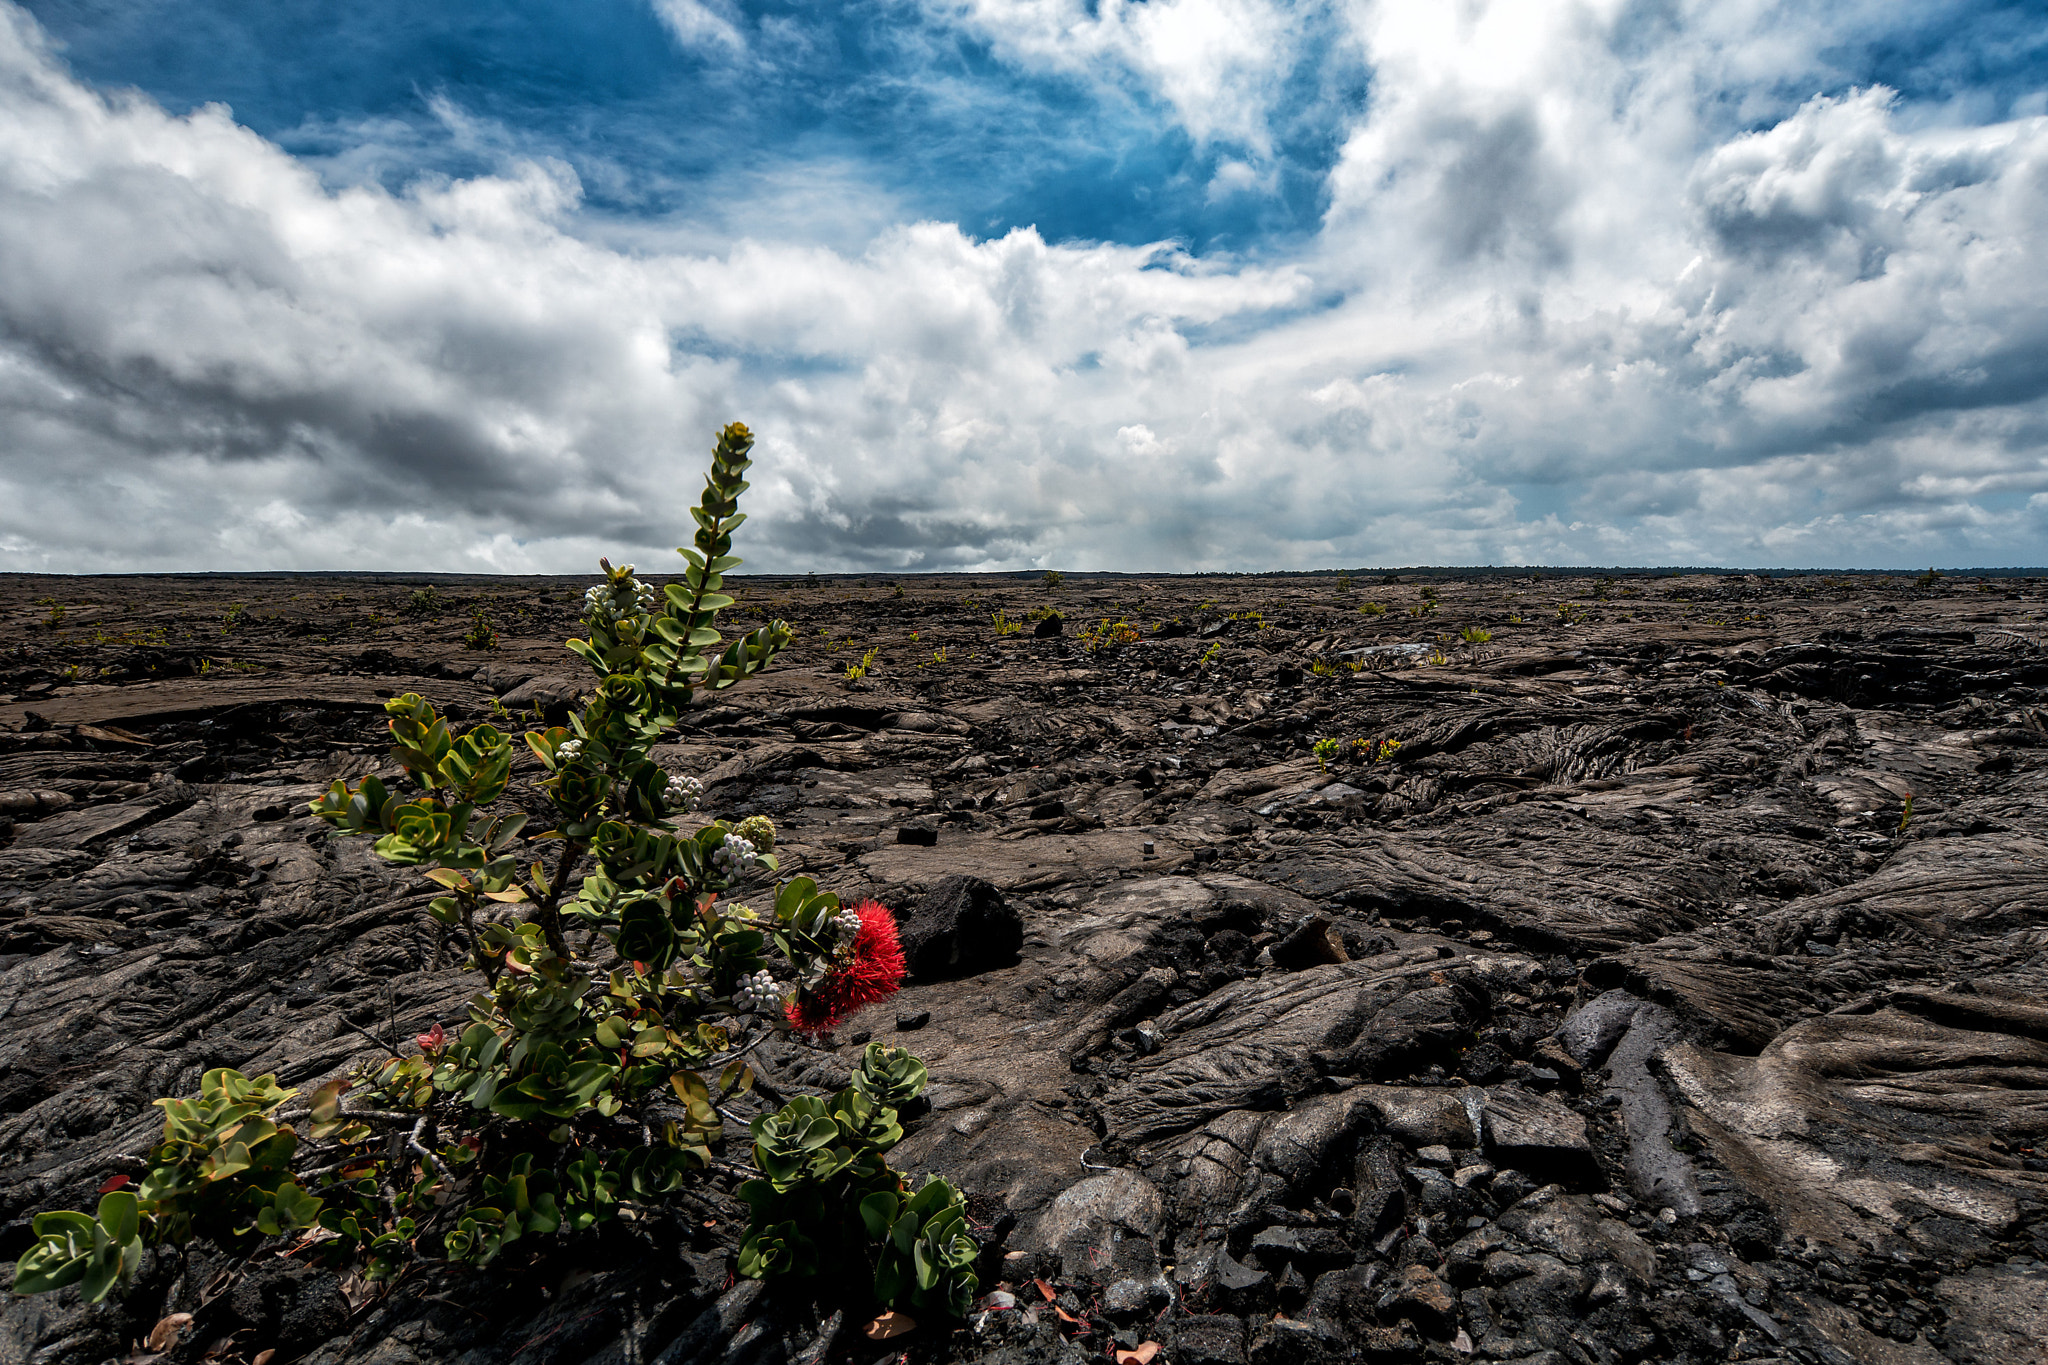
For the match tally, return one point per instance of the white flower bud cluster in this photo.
(758, 994)
(568, 751)
(845, 925)
(735, 854)
(682, 793)
(602, 601)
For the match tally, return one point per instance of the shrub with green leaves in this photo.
(482, 633)
(622, 986)
(826, 1194)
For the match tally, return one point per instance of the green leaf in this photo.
(102, 1272)
(878, 1213)
(61, 1254)
(120, 1214)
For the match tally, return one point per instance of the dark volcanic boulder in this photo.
(502, 677)
(555, 696)
(961, 926)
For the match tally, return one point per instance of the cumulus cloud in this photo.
(1587, 289)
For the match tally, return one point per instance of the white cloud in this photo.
(700, 23)
(1565, 306)
(1216, 63)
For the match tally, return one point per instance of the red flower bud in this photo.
(874, 973)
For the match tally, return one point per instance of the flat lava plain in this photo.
(1597, 996)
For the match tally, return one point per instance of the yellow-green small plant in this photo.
(1108, 636)
(1325, 750)
(1257, 618)
(1372, 609)
(1473, 635)
(1438, 659)
(1422, 609)
(1569, 614)
(1210, 655)
(1003, 624)
(1344, 582)
(56, 616)
(1906, 814)
(897, 590)
(1052, 580)
(1385, 750)
(236, 613)
(1514, 618)
(855, 672)
(938, 657)
(1930, 578)
(481, 634)
(1322, 668)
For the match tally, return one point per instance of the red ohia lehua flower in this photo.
(873, 972)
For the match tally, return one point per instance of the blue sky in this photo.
(1012, 283)
(930, 114)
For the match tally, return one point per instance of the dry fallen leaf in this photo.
(264, 1357)
(1046, 1290)
(164, 1335)
(1064, 1313)
(1141, 1354)
(890, 1324)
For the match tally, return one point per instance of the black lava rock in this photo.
(961, 927)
